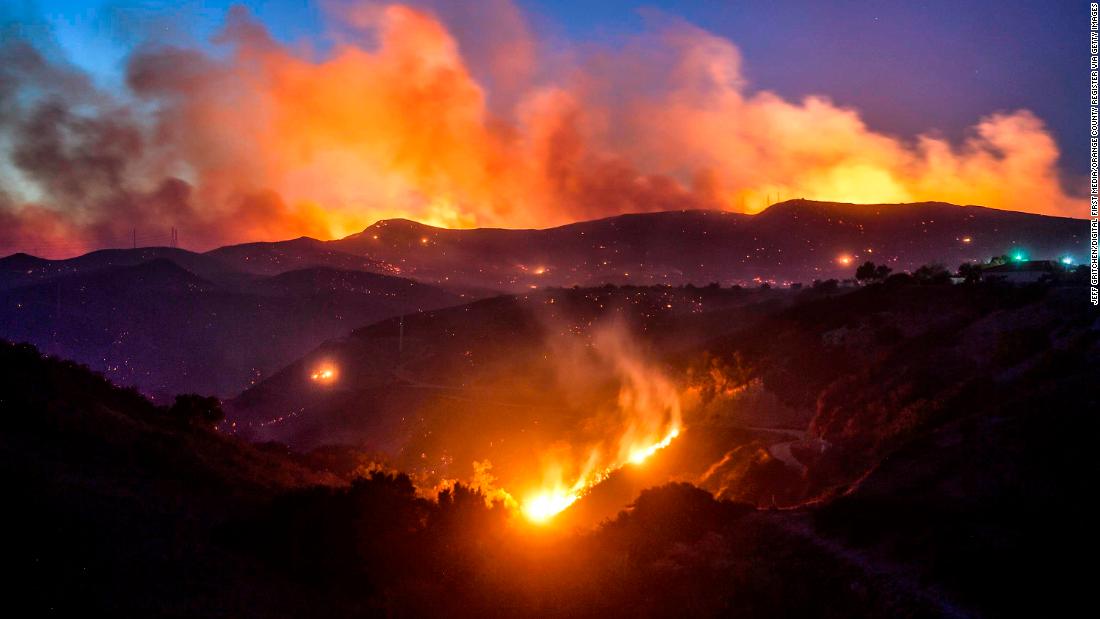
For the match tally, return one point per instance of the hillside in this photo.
(23, 270)
(124, 508)
(167, 330)
(793, 241)
(792, 396)
(117, 502)
(296, 254)
(926, 447)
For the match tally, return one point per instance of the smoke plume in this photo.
(453, 115)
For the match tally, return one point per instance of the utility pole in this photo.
(57, 321)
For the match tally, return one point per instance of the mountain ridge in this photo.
(791, 241)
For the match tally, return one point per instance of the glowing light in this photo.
(545, 506)
(540, 270)
(639, 456)
(1019, 257)
(1067, 260)
(966, 239)
(845, 260)
(423, 240)
(323, 374)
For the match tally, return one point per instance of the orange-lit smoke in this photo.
(399, 119)
(647, 418)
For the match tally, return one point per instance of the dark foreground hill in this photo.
(111, 502)
(166, 329)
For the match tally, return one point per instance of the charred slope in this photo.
(167, 330)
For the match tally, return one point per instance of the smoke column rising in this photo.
(425, 113)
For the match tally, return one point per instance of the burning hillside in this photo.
(554, 392)
(646, 419)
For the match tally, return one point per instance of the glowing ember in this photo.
(326, 374)
(845, 260)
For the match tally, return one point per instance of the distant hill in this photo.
(792, 241)
(797, 240)
(165, 329)
(300, 253)
(22, 269)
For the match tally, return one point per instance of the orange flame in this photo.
(647, 419)
(545, 504)
(324, 374)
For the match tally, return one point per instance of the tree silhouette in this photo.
(194, 409)
(869, 271)
(970, 272)
(865, 271)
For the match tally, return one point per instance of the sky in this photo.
(906, 70)
(908, 66)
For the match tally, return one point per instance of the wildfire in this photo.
(547, 505)
(544, 505)
(323, 374)
(641, 455)
(396, 121)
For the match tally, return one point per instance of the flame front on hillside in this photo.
(647, 419)
(545, 505)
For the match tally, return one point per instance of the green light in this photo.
(1018, 257)
(1067, 260)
